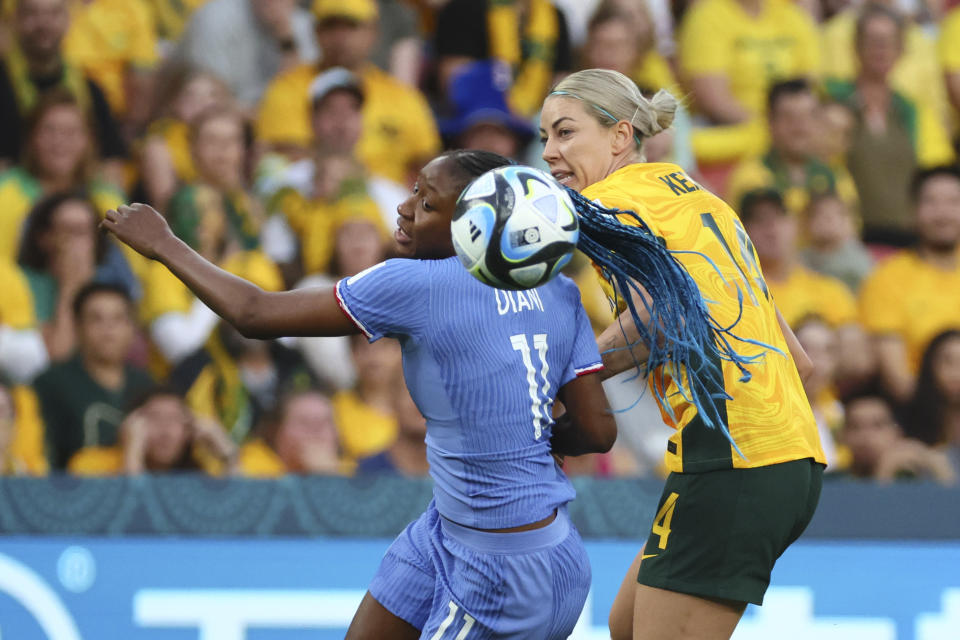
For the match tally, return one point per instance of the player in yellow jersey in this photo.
(728, 510)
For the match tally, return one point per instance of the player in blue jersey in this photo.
(495, 554)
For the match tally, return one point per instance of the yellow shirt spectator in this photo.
(107, 38)
(949, 50)
(805, 293)
(398, 128)
(719, 38)
(364, 431)
(909, 298)
(652, 72)
(257, 460)
(767, 172)
(916, 75)
(97, 461)
(171, 16)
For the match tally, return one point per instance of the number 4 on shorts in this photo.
(661, 523)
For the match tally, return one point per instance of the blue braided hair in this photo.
(686, 342)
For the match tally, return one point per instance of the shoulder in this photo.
(708, 10)
(293, 79)
(840, 90)
(138, 379)
(17, 179)
(383, 86)
(893, 270)
(791, 15)
(95, 461)
(57, 375)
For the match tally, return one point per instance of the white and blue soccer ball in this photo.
(514, 227)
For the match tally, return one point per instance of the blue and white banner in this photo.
(168, 589)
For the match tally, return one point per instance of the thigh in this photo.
(668, 615)
(372, 621)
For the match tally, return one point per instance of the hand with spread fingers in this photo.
(140, 226)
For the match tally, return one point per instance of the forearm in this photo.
(621, 347)
(570, 440)
(58, 334)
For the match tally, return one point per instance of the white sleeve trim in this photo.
(346, 310)
(23, 353)
(179, 334)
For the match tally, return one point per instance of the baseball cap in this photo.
(336, 78)
(478, 95)
(356, 10)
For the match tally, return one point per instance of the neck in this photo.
(945, 258)
(109, 375)
(619, 162)
(44, 65)
(873, 87)
(409, 455)
(777, 270)
(752, 7)
(54, 184)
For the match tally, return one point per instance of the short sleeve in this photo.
(585, 357)
(704, 47)
(877, 313)
(840, 307)
(388, 299)
(949, 43)
(807, 45)
(16, 303)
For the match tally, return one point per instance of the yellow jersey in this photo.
(907, 297)
(364, 430)
(808, 293)
(398, 127)
(768, 417)
(949, 49)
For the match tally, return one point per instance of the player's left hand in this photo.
(140, 226)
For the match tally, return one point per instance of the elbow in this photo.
(249, 317)
(606, 436)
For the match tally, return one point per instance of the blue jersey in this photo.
(483, 366)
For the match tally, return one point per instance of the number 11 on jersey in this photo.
(539, 395)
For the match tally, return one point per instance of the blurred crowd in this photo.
(278, 137)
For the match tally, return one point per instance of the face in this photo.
(579, 150)
(793, 124)
(105, 328)
(830, 223)
(199, 94)
(820, 343)
(338, 121)
(41, 25)
(168, 431)
(489, 136)
(60, 142)
(869, 431)
(219, 151)
(946, 369)
(773, 233)
(879, 47)
(835, 131)
(359, 246)
(308, 433)
(345, 43)
(73, 223)
(611, 45)
(938, 213)
(424, 222)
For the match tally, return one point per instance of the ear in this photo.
(621, 138)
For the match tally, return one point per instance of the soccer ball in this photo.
(514, 227)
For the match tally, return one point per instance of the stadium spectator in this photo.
(407, 456)
(916, 73)
(11, 463)
(933, 414)
(531, 36)
(217, 206)
(301, 438)
(170, 18)
(159, 435)
(235, 381)
(59, 155)
(892, 134)
(315, 193)
(819, 341)
(115, 43)
(399, 49)
(246, 43)
(624, 41)
(481, 118)
(835, 134)
(398, 133)
(61, 253)
(34, 65)
(833, 247)
(365, 415)
(167, 162)
(915, 294)
(730, 53)
(949, 46)
(790, 165)
(798, 291)
(82, 400)
(23, 353)
(878, 449)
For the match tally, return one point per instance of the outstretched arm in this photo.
(254, 312)
(620, 344)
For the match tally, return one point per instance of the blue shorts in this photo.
(457, 583)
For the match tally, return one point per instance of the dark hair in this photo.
(869, 392)
(922, 176)
(923, 415)
(756, 197)
(49, 100)
(793, 87)
(472, 163)
(39, 221)
(186, 461)
(606, 12)
(91, 289)
(875, 10)
(270, 424)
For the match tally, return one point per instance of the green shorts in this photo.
(717, 534)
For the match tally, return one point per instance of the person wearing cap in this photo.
(247, 42)
(398, 130)
(798, 291)
(482, 119)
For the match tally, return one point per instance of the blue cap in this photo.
(478, 94)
